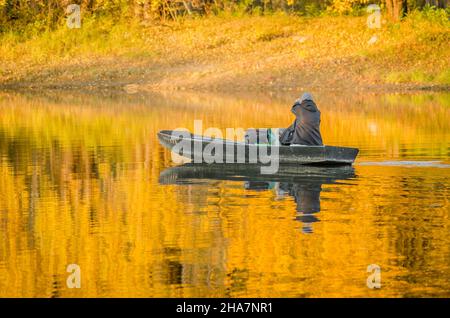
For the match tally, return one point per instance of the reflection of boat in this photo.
(251, 172)
(195, 147)
(304, 183)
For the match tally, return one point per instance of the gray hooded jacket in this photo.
(306, 128)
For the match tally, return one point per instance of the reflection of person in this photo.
(307, 197)
(306, 128)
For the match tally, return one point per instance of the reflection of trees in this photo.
(83, 201)
(419, 232)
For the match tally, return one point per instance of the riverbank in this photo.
(250, 53)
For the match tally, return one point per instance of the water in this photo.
(84, 181)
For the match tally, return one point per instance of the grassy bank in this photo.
(273, 52)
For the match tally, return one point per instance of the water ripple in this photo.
(406, 163)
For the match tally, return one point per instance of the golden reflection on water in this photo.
(80, 183)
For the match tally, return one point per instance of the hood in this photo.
(305, 96)
(307, 104)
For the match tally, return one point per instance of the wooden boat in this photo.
(225, 151)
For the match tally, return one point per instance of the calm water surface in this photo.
(84, 181)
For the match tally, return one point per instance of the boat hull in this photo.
(195, 147)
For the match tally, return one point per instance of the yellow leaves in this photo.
(343, 6)
(233, 46)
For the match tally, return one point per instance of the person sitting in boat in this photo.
(306, 128)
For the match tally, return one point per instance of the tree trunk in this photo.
(394, 9)
(389, 8)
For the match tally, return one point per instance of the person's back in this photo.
(306, 128)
